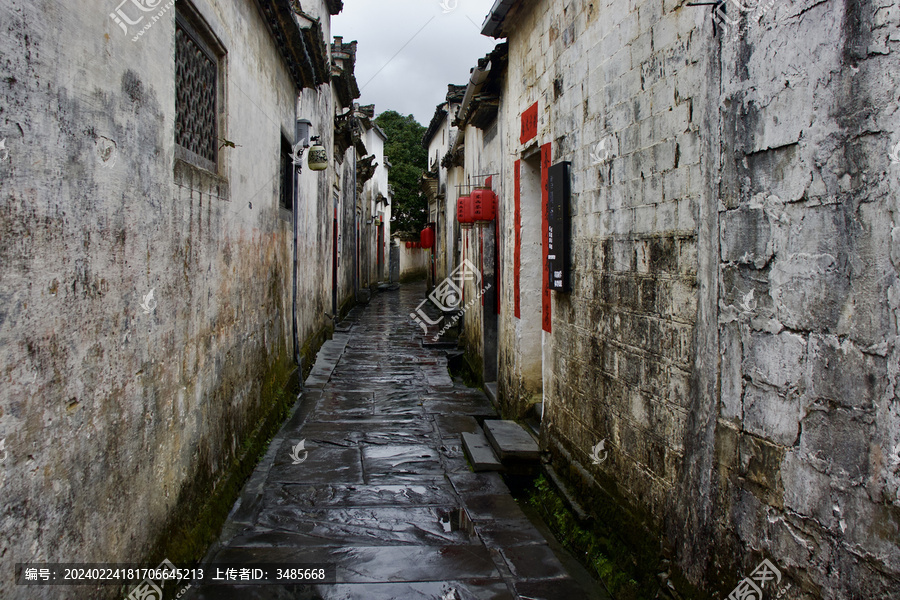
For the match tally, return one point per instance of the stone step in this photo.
(490, 388)
(511, 441)
(479, 452)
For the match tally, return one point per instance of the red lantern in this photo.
(427, 237)
(409, 244)
(464, 211)
(484, 205)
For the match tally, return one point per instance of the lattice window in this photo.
(196, 93)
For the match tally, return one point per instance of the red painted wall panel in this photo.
(529, 123)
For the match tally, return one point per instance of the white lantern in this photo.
(318, 157)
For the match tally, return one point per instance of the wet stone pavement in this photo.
(383, 490)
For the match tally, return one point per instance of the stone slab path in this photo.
(383, 490)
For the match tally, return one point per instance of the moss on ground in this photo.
(628, 573)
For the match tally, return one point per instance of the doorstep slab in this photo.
(479, 452)
(511, 441)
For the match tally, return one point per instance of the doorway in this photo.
(531, 272)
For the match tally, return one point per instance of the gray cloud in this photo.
(409, 50)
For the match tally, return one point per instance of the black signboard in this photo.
(558, 225)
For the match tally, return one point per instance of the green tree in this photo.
(408, 161)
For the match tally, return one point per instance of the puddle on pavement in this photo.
(456, 519)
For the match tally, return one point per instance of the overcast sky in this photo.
(433, 48)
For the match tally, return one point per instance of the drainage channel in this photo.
(522, 487)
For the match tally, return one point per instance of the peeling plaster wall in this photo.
(345, 191)
(113, 418)
(732, 328)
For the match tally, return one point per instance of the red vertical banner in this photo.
(489, 183)
(481, 258)
(465, 256)
(517, 237)
(380, 245)
(529, 123)
(545, 201)
(497, 265)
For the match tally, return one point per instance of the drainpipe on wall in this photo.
(356, 220)
(294, 326)
(479, 76)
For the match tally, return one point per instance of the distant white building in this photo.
(374, 200)
(439, 139)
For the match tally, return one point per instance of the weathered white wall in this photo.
(372, 210)
(414, 262)
(375, 144)
(443, 212)
(346, 214)
(808, 276)
(114, 420)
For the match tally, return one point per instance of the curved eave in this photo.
(495, 24)
(302, 49)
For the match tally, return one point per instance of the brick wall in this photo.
(731, 330)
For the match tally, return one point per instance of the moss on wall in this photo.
(203, 507)
(413, 276)
(474, 375)
(201, 510)
(346, 307)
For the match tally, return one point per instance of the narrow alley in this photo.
(449, 300)
(382, 489)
